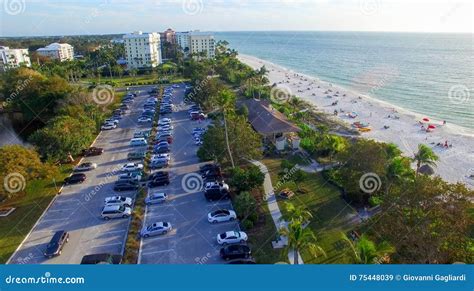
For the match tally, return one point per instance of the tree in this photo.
(226, 103)
(246, 179)
(23, 164)
(296, 213)
(424, 156)
(245, 204)
(300, 238)
(64, 135)
(428, 221)
(365, 251)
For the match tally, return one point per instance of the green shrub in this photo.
(247, 224)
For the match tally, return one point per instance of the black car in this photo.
(75, 179)
(126, 186)
(93, 151)
(161, 150)
(208, 167)
(162, 181)
(158, 175)
(211, 173)
(216, 194)
(55, 246)
(101, 259)
(232, 252)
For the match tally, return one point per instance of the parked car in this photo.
(216, 194)
(138, 142)
(158, 175)
(96, 259)
(135, 176)
(157, 228)
(216, 185)
(159, 164)
(109, 212)
(75, 179)
(144, 119)
(233, 252)
(158, 182)
(131, 167)
(85, 167)
(221, 215)
(231, 237)
(164, 121)
(160, 156)
(109, 126)
(112, 120)
(121, 186)
(156, 198)
(56, 244)
(161, 150)
(135, 156)
(93, 151)
(118, 200)
(204, 168)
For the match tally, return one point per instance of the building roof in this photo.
(54, 47)
(266, 120)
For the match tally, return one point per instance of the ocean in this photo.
(430, 74)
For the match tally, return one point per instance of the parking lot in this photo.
(193, 238)
(77, 210)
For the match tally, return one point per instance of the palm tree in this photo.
(296, 213)
(295, 102)
(225, 102)
(365, 251)
(398, 169)
(300, 238)
(424, 156)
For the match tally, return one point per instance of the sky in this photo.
(68, 17)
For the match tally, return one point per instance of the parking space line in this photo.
(107, 245)
(158, 252)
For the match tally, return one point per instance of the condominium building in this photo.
(143, 50)
(168, 36)
(182, 39)
(57, 51)
(202, 42)
(13, 58)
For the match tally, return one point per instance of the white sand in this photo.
(456, 163)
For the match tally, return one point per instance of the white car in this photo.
(216, 185)
(165, 127)
(112, 120)
(156, 198)
(118, 200)
(232, 237)
(131, 167)
(131, 176)
(157, 228)
(221, 215)
(109, 126)
(116, 211)
(160, 157)
(164, 121)
(144, 119)
(85, 167)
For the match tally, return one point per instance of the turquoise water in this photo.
(431, 74)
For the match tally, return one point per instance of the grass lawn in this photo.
(261, 237)
(29, 208)
(329, 211)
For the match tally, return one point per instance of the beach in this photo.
(388, 123)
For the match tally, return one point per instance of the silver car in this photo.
(157, 228)
(109, 212)
(156, 198)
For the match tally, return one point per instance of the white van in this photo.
(138, 142)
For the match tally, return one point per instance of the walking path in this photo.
(275, 212)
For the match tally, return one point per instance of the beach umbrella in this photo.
(431, 126)
(426, 119)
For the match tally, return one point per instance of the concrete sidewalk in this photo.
(275, 212)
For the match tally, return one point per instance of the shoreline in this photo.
(456, 163)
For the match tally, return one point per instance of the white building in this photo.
(57, 51)
(13, 58)
(194, 42)
(202, 42)
(143, 50)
